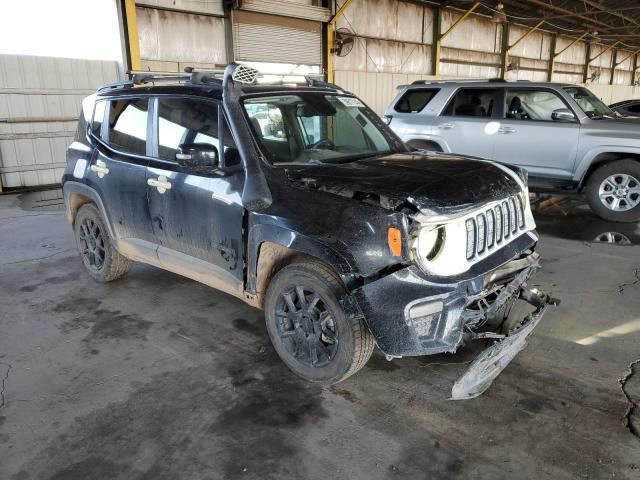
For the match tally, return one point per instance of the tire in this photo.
(99, 257)
(343, 346)
(605, 180)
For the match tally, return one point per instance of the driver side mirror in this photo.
(197, 155)
(563, 115)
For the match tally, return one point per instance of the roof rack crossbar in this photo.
(203, 76)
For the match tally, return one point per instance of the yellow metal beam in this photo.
(571, 44)
(527, 33)
(331, 31)
(132, 34)
(604, 51)
(626, 58)
(437, 49)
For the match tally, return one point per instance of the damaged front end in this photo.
(489, 317)
(411, 314)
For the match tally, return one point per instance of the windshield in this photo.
(589, 103)
(318, 128)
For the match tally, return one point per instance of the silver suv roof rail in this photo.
(460, 80)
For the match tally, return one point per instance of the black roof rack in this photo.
(112, 86)
(245, 75)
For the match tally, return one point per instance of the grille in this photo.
(495, 226)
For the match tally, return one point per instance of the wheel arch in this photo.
(597, 160)
(427, 141)
(78, 194)
(270, 248)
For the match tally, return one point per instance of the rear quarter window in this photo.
(413, 101)
(98, 117)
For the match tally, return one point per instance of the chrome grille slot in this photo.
(488, 229)
(498, 210)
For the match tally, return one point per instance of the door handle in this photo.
(446, 126)
(161, 183)
(506, 130)
(100, 168)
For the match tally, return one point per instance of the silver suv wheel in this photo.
(620, 192)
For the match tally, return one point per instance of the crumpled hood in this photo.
(434, 183)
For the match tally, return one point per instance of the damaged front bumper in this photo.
(412, 315)
(489, 364)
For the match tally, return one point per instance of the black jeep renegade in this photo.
(299, 200)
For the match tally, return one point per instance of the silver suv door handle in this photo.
(506, 130)
(446, 126)
(161, 183)
(100, 168)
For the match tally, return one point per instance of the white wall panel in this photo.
(388, 19)
(44, 88)
(536, 45)
(604, 59)
(290, 8)
(475, 33)
(180, 37)
(211, 7)
(575, 54)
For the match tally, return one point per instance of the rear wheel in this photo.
(308, 327)
(613, 191)
(100, 259)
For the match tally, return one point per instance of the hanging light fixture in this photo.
(498, 15)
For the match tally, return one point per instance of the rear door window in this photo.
(471, 102)
(413, 101)
(127, 130)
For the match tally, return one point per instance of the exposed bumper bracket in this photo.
(479, 376)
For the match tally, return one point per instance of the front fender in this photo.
(583, 165)
(437, 139)
(260, 233)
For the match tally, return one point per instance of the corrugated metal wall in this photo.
(39, 103)
(172, 40)
(393, 46)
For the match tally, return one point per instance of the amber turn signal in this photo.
(394, 238)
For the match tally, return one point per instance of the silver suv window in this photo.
(471, 102)
(530, 104)
(589, 103)
(413, 101)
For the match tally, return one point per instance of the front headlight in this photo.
(428, 242)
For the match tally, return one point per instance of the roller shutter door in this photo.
(260, 37)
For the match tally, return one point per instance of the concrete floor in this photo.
(158, 377)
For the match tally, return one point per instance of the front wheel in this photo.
(613, 191)
(308, 328)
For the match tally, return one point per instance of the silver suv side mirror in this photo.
(563, 115)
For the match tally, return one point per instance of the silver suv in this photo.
(563, 135)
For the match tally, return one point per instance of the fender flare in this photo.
(441, 142)
(71, 187)
(260, 233)
(584, 165)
